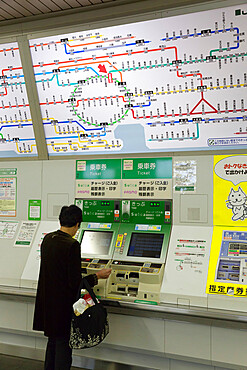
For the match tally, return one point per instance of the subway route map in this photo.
(166, 84)
(16, 128)
(176, 83)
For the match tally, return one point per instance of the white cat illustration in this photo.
(236, 201)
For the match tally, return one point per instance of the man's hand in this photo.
(103, 273)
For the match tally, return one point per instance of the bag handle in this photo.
(84, 284)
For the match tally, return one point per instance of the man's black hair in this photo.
(70, 216)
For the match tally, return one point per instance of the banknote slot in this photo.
(235, 267)
(134, 275)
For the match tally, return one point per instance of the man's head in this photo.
(70, 216)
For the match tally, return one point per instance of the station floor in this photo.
(19, 363)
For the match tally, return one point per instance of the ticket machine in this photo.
(97, 235)
(140, 251)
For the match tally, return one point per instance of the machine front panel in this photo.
(98, 234)
(139, 245)
(186, 267)
(140, 251)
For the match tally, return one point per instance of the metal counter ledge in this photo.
(191, 314)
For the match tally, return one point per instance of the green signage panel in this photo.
(8, 171)
(184, 188)
(147, 168)
(34, 209)
(146, 212)
(21, 242)
(98, 169)
(100, 211)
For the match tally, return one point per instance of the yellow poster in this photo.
(8, 193)
(227, 273)
(230, 190)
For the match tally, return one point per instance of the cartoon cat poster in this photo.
(230, 190)
(237, 203)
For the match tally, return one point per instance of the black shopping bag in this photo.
(91, 327)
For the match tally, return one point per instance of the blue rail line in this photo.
(103, 48)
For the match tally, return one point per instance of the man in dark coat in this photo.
(59, 279)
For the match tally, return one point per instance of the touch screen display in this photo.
(96, 242)
(145, 245)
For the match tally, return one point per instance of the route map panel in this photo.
(16, 128)
(177, 83)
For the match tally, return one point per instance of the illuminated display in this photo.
(16, 128)
(145, 245)
(167, 84)
(96, 242)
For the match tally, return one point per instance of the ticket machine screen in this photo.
(96, 242)
(145, 245)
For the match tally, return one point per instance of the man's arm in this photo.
(75, 269)
(103, 274)
(92, 279)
